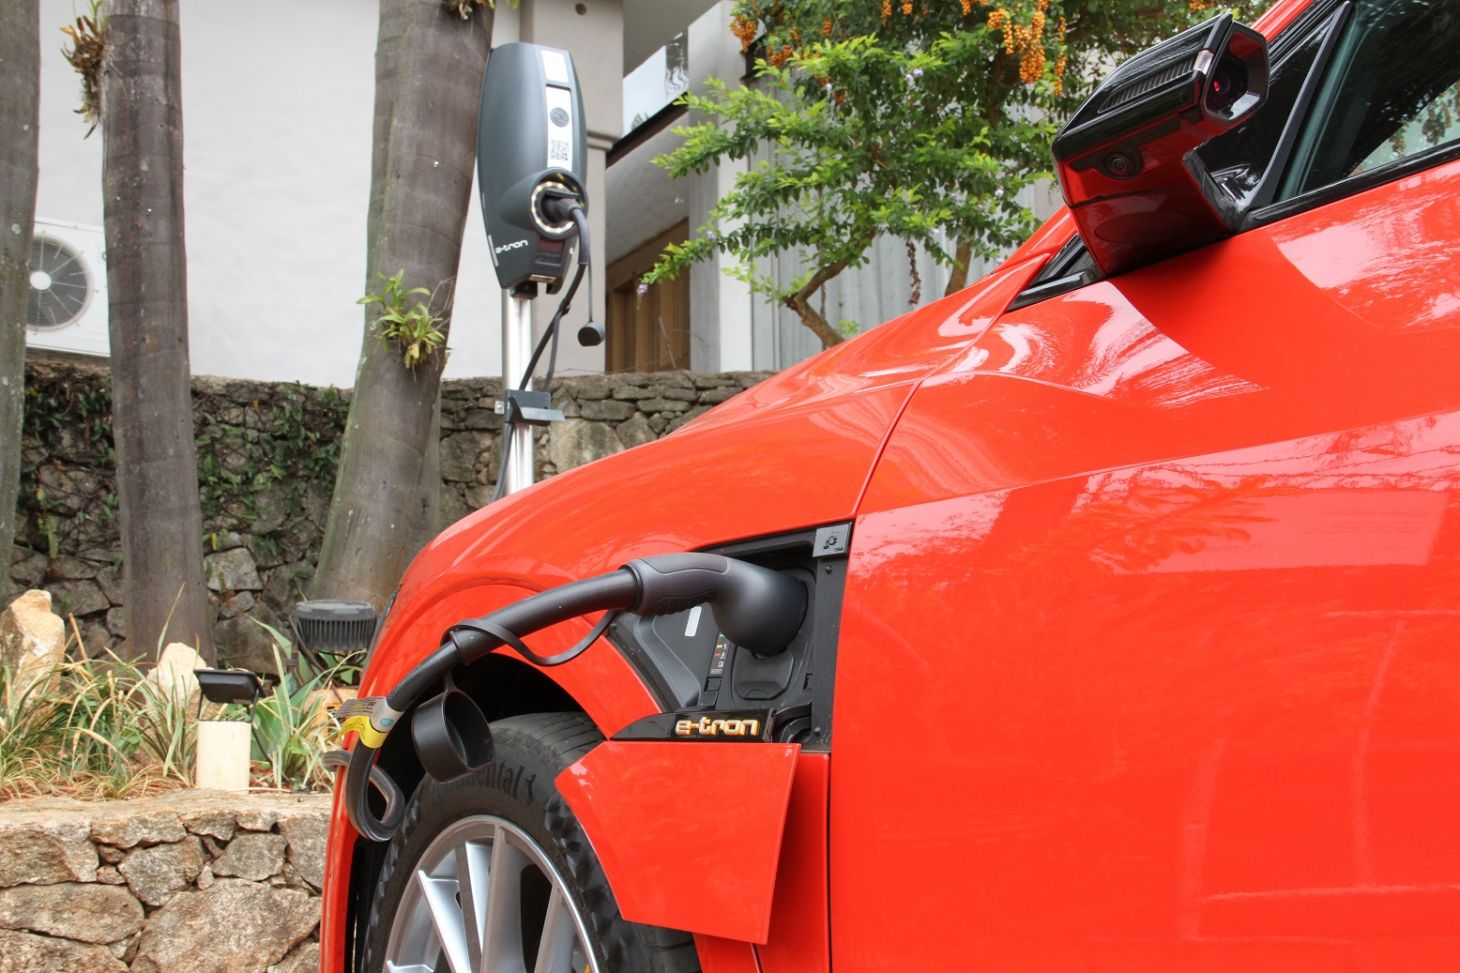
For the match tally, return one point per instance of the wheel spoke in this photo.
(446, 918)
(473, 866)
(502, 951)
(555, 948)
(483, 898)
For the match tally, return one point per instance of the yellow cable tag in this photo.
(360, 724)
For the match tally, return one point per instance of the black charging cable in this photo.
(579, 216)
(756, 607)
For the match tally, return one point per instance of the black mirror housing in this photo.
(1125, 160)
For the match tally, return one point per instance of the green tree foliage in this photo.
(921, 119)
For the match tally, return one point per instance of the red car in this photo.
(1103, 616)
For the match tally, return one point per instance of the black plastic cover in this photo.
(531, 145)
(452, 736)
(1160, 82)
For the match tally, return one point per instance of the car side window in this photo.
(1391, 95)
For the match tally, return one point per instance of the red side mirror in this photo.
(1125, 160)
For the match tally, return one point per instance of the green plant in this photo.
(465, 8)
(263, 464)
(166, 732)
(85, 55)
(100, 727)
(291, 729)
(406, 319)
(298, 444)
(266, 457)
(92, 727)
(29, 727)
(904, 119)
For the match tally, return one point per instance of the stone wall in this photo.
(185, 882)
(604, 414)
(267, 455)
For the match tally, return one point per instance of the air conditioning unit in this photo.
(67, 311)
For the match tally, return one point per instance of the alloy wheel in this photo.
(485, 899)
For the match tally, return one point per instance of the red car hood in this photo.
(794, 451)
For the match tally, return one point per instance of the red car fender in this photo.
(800, 914)
(708, 864)
(601, 680)
(796, 940)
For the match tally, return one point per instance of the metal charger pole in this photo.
(516, 347)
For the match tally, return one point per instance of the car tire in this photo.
(514, 802)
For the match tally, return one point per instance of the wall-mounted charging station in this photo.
(532, 163)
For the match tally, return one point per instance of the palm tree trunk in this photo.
(428, 71)
(152, 408)
(20, 65)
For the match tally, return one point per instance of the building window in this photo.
(648, 327)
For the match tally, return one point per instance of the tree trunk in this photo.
(20, 66)
(428, 522)
(800, 302)
(428, 71)
(958, 273)
(152, 407)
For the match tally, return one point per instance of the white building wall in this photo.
(278, 98)
(869, 295)
(877, 291)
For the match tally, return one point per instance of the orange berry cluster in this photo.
(1026, 40)
(744, 28)
(1063, 61)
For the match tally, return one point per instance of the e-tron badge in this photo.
(706, 726)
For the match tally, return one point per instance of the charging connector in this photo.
(552, 203)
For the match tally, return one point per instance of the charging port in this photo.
(695, 669)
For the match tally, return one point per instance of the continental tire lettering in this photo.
(707, 727)
(509, 780)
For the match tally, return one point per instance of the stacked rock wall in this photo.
(185, 882)
(267, 455)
